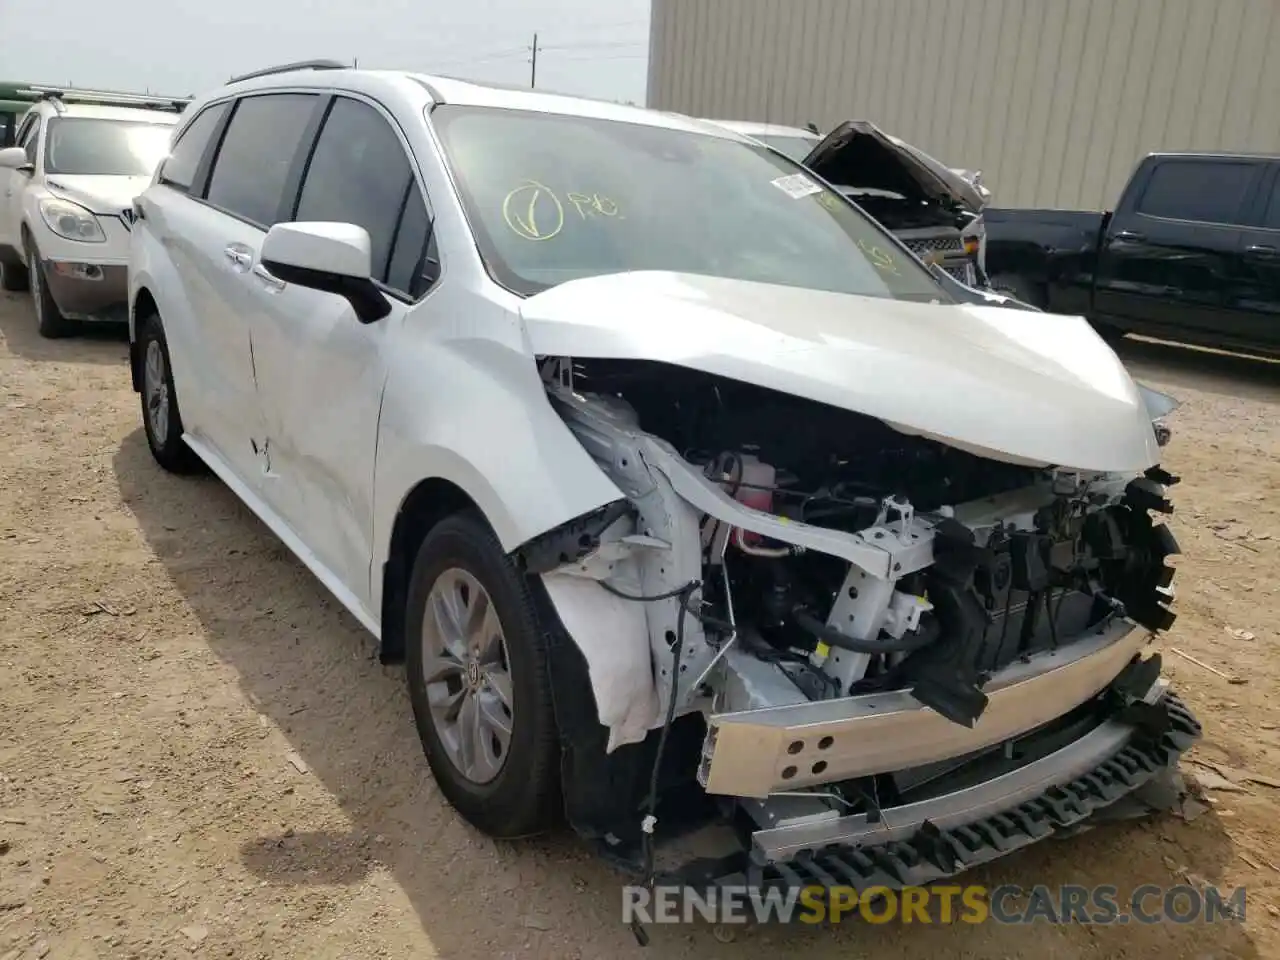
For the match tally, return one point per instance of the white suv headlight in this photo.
(71, 221)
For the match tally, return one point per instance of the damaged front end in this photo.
(827, 652)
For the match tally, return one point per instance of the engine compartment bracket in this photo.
(882, 552)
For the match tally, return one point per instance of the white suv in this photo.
(66, 201)
(681, 487)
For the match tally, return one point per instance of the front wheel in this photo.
(476, 663)
(49, 319)
(161, 419)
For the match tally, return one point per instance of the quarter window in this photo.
(360, 173)
(257, 151)
(179, 170)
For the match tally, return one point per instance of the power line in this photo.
(595, 59)
(595, 43)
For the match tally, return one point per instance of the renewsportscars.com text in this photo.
(1008, 904)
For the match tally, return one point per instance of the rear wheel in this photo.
(476, 663)
(49, 319)
(13, 277)
(161, 419)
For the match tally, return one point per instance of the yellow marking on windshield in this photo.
(880, 258)
(590, 204)
(527, 196)
(830, 201)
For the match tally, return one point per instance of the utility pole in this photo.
(533, 64)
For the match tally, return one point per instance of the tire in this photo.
(13, 277)
(1020, 288)
(521, 797)
(161, 419)
(49, 319)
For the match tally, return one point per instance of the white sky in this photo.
(180, 47)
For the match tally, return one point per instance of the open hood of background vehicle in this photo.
(859, 154)
(1032, 388)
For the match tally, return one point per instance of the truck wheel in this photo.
(476, 662)
(13, 277)
(161, 419)
(49, 319)
(1020, 288)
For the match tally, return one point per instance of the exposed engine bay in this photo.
(838, 618)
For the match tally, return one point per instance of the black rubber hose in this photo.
(830, 635)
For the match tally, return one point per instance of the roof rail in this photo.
(104, 98)
(290, 67)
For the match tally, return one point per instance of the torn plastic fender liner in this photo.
(613, 636)
(610, 632)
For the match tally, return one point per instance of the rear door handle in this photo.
(1261, 250)
(1130, 236)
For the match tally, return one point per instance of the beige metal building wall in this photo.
(1054, 100)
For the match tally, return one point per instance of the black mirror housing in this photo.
(363, 294)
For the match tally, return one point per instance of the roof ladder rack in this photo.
(103, 98)
(290, 67)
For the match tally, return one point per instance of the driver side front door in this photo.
(320, 372)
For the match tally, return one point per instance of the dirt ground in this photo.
(200, 755)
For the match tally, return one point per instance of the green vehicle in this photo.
(15, 100)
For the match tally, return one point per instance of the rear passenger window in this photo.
(1205, 191)
(360, 173)
(253, 162)
(179, 170)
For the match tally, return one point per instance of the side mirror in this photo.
(330, 257)
(15, 158)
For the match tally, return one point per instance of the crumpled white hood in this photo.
(100, 194)
(1025, 387)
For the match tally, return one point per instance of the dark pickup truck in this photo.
(1191, 253)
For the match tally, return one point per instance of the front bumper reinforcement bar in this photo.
(931, 852)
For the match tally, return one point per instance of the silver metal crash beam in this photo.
(753, 753)
(961, 807)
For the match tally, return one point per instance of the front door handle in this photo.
(240, 256)
(1262, 250)
(1130, 236)
(266, 276)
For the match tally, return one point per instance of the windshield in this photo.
(122, 148)
(797, 148)
(554, 198)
